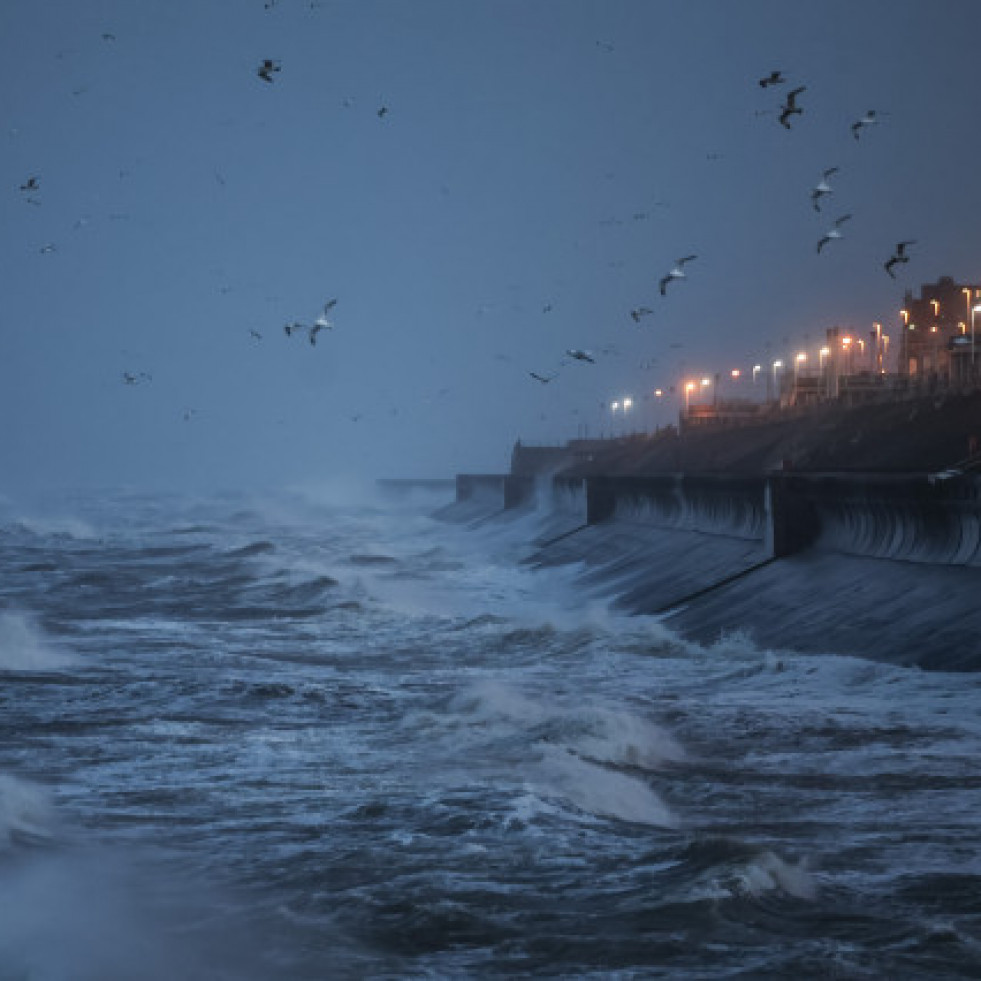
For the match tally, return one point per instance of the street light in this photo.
(689, 388)
(974, 310)
(757, 368)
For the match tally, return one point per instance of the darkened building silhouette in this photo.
(938, 341)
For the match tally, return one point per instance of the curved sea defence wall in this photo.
(881, 566)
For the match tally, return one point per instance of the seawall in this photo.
(886, 566)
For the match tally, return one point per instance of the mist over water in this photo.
(324, 735)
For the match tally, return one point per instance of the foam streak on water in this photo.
(307, 739)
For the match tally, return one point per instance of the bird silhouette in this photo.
(31, 184)
(266, 69)
(774, 78)
(678, 272)
(833, 233)
(639, 312)
(822, 188)
(869, 119)
(544, 379)
(790, 107)
(580, 355)
(899, 255)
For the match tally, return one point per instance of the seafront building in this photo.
(938, 340)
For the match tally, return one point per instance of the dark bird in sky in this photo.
(639, 312)
(135, 379)
(292, 326)
(107, 36)
(869, 119)
(45, 249)
(579, 355)
(382, 112)
(678, 272)
(31, 184)
(834, 232)
(790, 107)
(255, 334)
(266, 69)
(899, 255)
(544, 379)
(822, 188)
(774, 78)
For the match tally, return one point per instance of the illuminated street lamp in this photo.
(974, 310)
(798, 361)
(776, 365)
(689, 388)
(757, 368)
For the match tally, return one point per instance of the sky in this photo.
(538, 167)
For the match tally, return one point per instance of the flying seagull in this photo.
(266, 69)
(255, 333)
(382, 112)
(678, 272)
(30, 184)
(834, 232)
(639, 312)
(322, 322)
(869, 119)
(574, 352)
(774, 78)
(899, 255)
(822, 188)
(292, 326)
(544, 379)
(790, 107)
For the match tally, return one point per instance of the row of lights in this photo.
(847, 342)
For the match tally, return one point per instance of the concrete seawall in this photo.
(882, 566)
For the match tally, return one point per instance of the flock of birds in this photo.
(789, 108)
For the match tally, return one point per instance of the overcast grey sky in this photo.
(540, 166)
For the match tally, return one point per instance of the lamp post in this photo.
(776, 365)
(974, 310)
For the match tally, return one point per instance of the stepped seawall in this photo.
(881, 564)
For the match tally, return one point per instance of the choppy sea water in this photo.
(309, 737)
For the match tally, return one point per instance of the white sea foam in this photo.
(24, 646)
(601, 791)
(768, 872)
(25, 810)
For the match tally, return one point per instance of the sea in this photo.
(326, 733)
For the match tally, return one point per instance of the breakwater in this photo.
(886, 566)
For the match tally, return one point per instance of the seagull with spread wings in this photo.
(899, 255)
(822, 187)
(678, 272)
(833, 233)
(790, 107)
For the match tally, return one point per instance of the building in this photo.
(937, 343)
